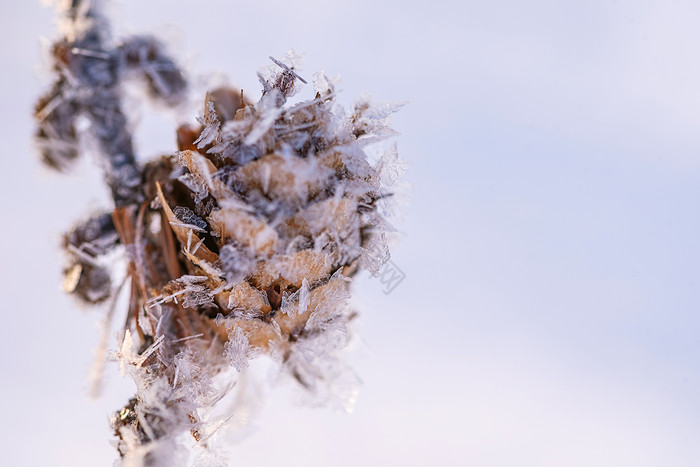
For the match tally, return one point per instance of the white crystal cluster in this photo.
(270, 209)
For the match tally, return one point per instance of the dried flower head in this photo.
(241, 243)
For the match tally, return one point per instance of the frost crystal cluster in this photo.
(241, 243)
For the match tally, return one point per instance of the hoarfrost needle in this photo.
(243, 242)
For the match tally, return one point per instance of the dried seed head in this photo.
(242, 243)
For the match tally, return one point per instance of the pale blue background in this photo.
(550, 312)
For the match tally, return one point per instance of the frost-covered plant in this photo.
(241, 243)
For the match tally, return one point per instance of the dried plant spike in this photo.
(241, 243)
(90, 69)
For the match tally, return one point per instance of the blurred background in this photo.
(549, 313)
